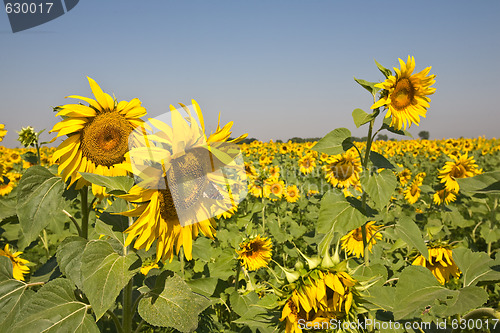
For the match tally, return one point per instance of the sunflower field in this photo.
(136, 224)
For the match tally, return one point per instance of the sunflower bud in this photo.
(27, 136)
(291, 276)
(311, 262)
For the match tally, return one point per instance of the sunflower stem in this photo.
(365, 168)
(237, 279)
(127, 307)
(85, 212)
(181, 259)
(263, 212)
(118, 326)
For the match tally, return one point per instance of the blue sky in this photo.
(278, 69)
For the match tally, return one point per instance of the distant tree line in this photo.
(424, 135)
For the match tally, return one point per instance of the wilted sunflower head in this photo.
(444, 196)
(97, 136)
(440, 263)
(255, 253)
(352, 243)
(19, 268)
(405, 94)
(319, 297)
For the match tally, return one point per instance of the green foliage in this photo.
(335, 142)
(380, 186)
(39, 201)
(54, 308)
(171, 303)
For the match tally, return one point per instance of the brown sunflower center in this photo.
(187, 180)
(403, 94)
(105, 139)
(343, 170)
(414, 190)
(358, 235)
(458, 171)
(276, 189)
(306, 164)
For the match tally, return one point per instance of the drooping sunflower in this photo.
(343, 170)
(352, 243)
(405, 94)
(19, 268)
(461, 167)
(443, 196)
(255, 253)
(292, 193)
(307, 164)
(183, 187)
(97, 136)
(412, 193)
(440, 263)
(319, 298)
(7, 184)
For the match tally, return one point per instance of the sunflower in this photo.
(405, 95)
(404, 176)
(3, 132)
(274, 188)
(440, 263)
(443, 196)
(147, 266)
(343, 170)
(251, 171)
(97, 136)
(274, 171)
(182, 187)
(292, 193)
(461, 167)
(19, 268)
(412, 193)
(307, 164)
(255, 189)
(352, 243)
(255, 253)
(318, 298)
(6, 185)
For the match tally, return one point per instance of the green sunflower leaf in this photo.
(105, 273)
(488, 182)
(387, 126)
(335, 142)
(408, 231)
(337, 215)
(385, 71)
(476, 266)
(380, 161)
(370, 86)
(13, 294)
(69, 257)
(113, 185)
(380, 186)
(360, 117)
(39, 202)
(172, 304)
(54, 308)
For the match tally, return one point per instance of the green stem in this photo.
(263, 213)
(138, 329)
(181, 259)
(128, 314)
(38, 153)
(74, 221)
(237, 280)
(84, 192)
(116, 321)
(365, 169)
